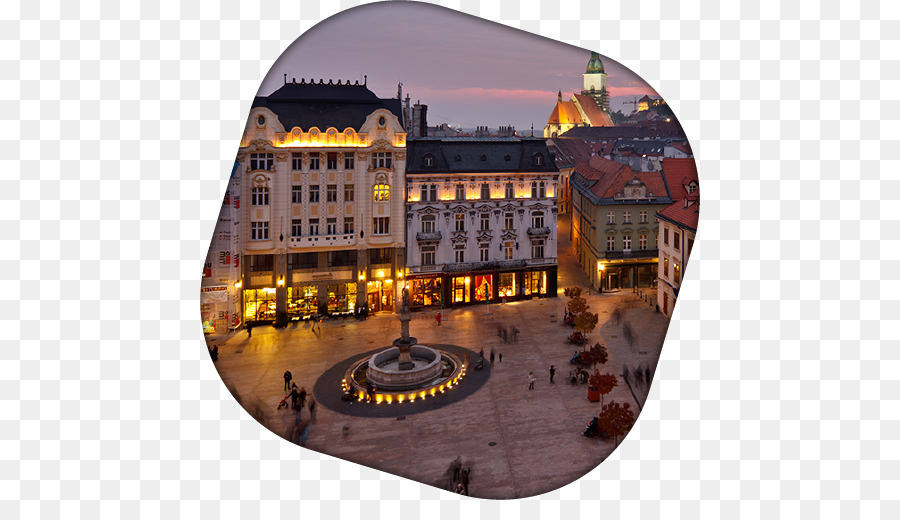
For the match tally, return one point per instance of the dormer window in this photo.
(429, 160)
(538, 159)
(507, 158)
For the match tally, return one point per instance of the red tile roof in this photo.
(611, 176)
(685, 211)
(679, 173)
(596, 116)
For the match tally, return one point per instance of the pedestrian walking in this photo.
(505, 337)
(464, 480)
(552, 372)
(249, 330)
(531, 380)
(312, 408)
(457, 469)
(302, 397)
(287, 380)
(438, 319)
(492, 356)
(501, 357)
(295, 393)
(515, 335)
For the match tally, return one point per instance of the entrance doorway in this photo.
(380, 296)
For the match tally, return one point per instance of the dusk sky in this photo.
(467, 70)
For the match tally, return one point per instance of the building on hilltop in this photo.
(481, 220)
(322, 219)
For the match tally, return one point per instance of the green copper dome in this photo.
(595, 66)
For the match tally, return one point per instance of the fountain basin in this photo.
(384, 370)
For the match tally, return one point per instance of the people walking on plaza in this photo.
(287, 380)
(302, 397)
(438, 319)
(249, 330)
(312, 408)
(464, 479)
(552, 372)
(492, 356)
(457, 469)
(515, 335)
(505, 336)
(460, 489)
(295, 393)
(531, 380)
(501, 357)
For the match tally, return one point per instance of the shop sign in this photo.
(214, 294)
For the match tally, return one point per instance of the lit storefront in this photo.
(534, 283)
(484, 288)
(460, 289)
(380, 295)
(302, 301)
(507, 285)
(341, 298)
(425, 292)
(259, 304)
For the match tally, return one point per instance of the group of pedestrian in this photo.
(532, 379)
(298, 395)
(508, 334)
(461, 476)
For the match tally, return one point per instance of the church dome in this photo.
(595, 66)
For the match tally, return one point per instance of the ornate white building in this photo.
(322, 218)
(677, 230)
(481, 220)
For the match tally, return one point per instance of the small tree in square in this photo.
(604, 383)
(617, 419)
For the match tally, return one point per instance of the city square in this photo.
(518, 442)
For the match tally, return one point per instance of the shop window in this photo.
(425, 292)
(461, 289)
(507, 286)
(484, 288)
(259, 196)
(259, 304)
(535, 282)
(302, 261)
(303, 301)
(341, 298)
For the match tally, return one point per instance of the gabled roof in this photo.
(679, 173)
(565, 113)
(596, 117)
(324, 105)
(600, 180)
(478, 155)
(684, 212)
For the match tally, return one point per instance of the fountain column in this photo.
(404, 343)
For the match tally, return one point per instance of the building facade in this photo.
(614, 222)
(677, 229)
(322, 213)
(481, 220)
(220, 307)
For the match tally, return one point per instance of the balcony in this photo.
(538, 231)
(484, 266)
(347, 239)
(423, 236)
(631, 254)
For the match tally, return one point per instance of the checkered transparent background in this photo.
(777, 392)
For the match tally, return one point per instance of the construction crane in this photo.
(634, 103)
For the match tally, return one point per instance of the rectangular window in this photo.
(643, 217)
(303, 261)
(349, 161)
(296, 161)
(382, 160)
(690, 245)
(313, 161)
(259, 231)
(534, 189)
(610, 243)
(331, 193)
(484, 252)
(262, 161)
(313, 227)
(331, 226)
(428, 253)
(485, 221)
(665, 267)
(626, 242)
(626, 217)
(485, 191)
(433, 192)
(676, 241)
(508, 221)
(537, 219)
(665, 236)
(610, 217)
(460, 222)
(428, 224)
(508, 191)
(508, 250)
(261, 263)
(643, 242)
(259, 196)
(296, 194)
(382, 193)
(348, 193)
(331, 161)
(423, 196)
(537, 249)
(381, 226)
(341, 258)
(460, 192)
(296, 228)
(380, 255)
(542, 190)
(348, 225)
(676, 272)
(459, 254)
(314, 193)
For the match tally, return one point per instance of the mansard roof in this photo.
(478, 155)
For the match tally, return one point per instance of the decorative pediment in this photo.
(484, 236)
(381, 143)
(259, 145)
(260, 181)
(459, 237)
(508, 207)
(484, 208)
(509, 234)
(429, 210)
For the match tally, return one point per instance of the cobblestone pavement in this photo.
(519, 442)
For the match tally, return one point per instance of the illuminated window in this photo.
(259, 196)
(665, 267)
(259, 231)
(460, 220)
(676, 272)
(382, 193)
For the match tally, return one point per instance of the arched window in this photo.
(382, 193)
